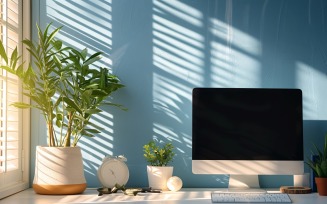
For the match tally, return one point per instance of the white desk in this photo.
(185, 196)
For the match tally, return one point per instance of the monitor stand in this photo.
(244, 183)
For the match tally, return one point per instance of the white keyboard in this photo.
(250, 198)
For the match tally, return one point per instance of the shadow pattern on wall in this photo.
(162, 49)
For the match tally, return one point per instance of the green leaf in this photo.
(57, 44)
(72, 104)
(92, 86)
(87, 134)
(29, 44)
(14, 58)
(8, 69)
(81, 119)
(324, 168)
(60, 116)
(83, 54)
(21, 105)
(20, 71)
(59, 123)
(115, 104)
(94, 131)
(52, 35)
(95, 57)
(3, 53)
(99, 93)
(93, 111)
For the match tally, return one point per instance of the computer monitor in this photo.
(247, 131)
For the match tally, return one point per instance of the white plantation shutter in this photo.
(10, 130)
(12, 120)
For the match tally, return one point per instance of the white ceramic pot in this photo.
(158, 176)
(59, 171)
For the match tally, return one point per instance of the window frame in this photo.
(23, 183)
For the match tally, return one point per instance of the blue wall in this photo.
(161, 50)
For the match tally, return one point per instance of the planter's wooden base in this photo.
(59, 189)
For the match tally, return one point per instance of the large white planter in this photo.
(59, 171)
(158, 176)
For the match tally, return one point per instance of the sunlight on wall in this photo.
(86, 24)
(166, 99)
(191, 56)
(180, 10)
(312, 82)
(233, 57)
(178, 58)
(178, 48)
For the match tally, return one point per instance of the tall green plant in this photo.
(63, 86)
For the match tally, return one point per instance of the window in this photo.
(14, 123)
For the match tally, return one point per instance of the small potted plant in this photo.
(158, 157)
(319, 167)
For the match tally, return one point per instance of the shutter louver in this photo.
(10, 91)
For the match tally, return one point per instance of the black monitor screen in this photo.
(247, 124)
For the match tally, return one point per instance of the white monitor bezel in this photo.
(247, 167)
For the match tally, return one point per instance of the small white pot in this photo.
(158, 176)
(59, 170)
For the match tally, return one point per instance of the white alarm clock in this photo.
(112, 171)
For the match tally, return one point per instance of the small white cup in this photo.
(302, 180)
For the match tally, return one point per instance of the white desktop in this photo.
(184, 196)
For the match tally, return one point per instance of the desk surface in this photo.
(185, 196)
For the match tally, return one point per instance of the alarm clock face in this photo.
(113, 172)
